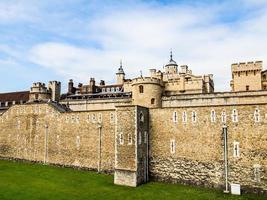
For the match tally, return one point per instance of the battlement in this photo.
(55, 83)
(147, 80)
(246, 66)
(38, 87)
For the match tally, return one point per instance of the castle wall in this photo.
(81, 105)
(191, 152)
(38, 132)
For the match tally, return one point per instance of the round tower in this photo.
(147, 92)
(171, 67)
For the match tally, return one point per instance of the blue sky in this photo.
(59, 40)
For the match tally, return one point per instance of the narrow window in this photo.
(141, 89)
(194, 116)
(238, 73)
(257, 175)
(236, 150)
(93, 117)
(77, 119)
(247, 87)
(141, 117)
(174, 116)
(145, 137)
(234, 115)
(246, 73)
(172, 146)
(223, 116)
(153, 101)
(78, 142)
(184, 117)
(140, 138)
(111, 117)
(213, 116)
(130, 139)
(72, 119)
(121, 139)
(100, 117)
(257, 115)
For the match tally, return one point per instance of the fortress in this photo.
(170, 126)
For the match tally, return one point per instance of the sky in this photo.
(44, 40)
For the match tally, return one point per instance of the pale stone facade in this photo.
(147, 130)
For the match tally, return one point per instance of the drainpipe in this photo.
(46, 144)
(99, 126)
(225, 157)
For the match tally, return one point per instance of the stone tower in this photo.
(120, 75)
(246, 76)
(39, 92)
(147, 91)
(55, 88)
(131, 145)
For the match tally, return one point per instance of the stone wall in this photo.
(197, 156)
(39, 132)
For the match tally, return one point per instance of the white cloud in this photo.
(143, 35)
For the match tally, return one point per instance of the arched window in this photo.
(174, 116)
(257, 115)
(141, 117)
(184, 117)
(213, 116)
(234, 115)
(194, 116)
(223, 116)
(153, 101)
(141, 89)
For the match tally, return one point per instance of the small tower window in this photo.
(234, 115)
(174, 116)
(184, 117)
(247, 87)
(121, 139)
(194, 116)
(172, 146)
(213, 116)
(130, 139)
(140, 138)
(236, 150)
(153, 101)
(145, 137)
(223, 116)
(141, 117)
(141, 89)
(257, 115)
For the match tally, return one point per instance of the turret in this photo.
(171, 67)
(55, 88)
(70, 87)
(120, 75)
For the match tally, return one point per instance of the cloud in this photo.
(82, 40)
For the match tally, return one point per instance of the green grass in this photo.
(20, 180)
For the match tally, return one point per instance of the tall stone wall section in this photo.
(197, 157)
(131, 146)
(39, 132)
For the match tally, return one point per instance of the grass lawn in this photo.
(35, 181)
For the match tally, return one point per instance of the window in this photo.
(77, 119)
(112, 117)
(236, 150)
(184, 117)
(174, 116)
(194, 116)
(121, 139)
(67, 119)
(234, 115)
(141, 89)
(172, 146)
(117, 89)
(145, 137)
(100, 117)
(93, 117)
(141, 117)
(213, 116)
(254, 73)
(112, 89)
(238, 73)
(72, 119)
(130, 139)
(246, 73)
(257, 175)
(140, 138)
(264, 77)
(153, 101)
(78, 142)
(257, 115)
(247, 87)
(103, 90)
(223, 116)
